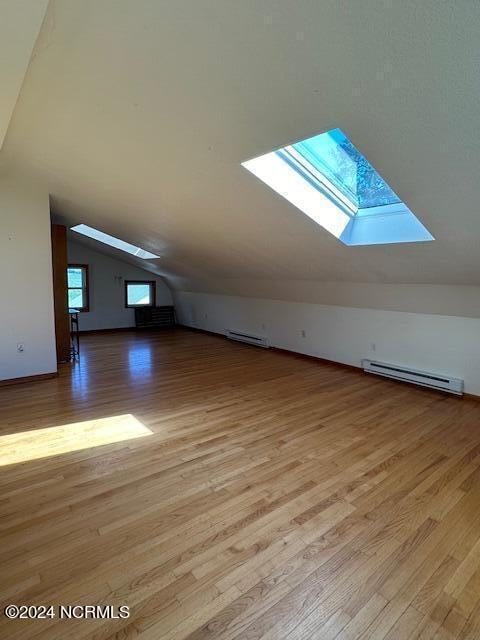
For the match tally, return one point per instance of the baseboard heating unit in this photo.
(259, 341)
(423, 378)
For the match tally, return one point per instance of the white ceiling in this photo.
(137, 115)
(19, 26)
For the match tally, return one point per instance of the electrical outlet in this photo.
(20, 347)
(373, 346)
(264, 327)
(303, 333)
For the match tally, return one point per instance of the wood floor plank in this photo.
(233, 493)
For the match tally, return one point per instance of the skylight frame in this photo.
(320, 182)
(280, 176)
(112, 241)
(383, 223)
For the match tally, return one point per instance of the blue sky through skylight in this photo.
(328, 179)
(337, 159)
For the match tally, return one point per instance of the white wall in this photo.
(26, 289)
(107, 288)
(437, 299)
(439, 343)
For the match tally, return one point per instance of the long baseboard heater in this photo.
(423, 378)
(259, 341)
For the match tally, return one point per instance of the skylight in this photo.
(85, 230)
(328, 179)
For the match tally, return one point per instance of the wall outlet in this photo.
(303, 333)
(20, 347)
(264, 327)
(373, 346)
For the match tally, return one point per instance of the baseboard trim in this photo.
(359, 369)
(288, 352)
(210, 333)
(23, 379)
(306, 356)
(326, 361)
(87, 332)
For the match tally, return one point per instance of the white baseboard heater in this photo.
(259, 341)
(423, 378)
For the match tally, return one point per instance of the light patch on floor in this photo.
(52, 441)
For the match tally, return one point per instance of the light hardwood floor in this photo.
(223, 491)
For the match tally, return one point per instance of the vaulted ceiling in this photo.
(137, 114)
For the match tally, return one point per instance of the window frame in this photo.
(85, 288)
(153, 290)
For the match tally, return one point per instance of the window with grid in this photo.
(77, 283)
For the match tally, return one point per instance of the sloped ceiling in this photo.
(137, 115)
(19, 26)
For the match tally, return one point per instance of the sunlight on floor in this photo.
(42, 443)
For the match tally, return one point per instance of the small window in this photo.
(139, 293)
(77, 282)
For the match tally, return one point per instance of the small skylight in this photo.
(85, 230)
(328, 179)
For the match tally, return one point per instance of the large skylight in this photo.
(328, 179)
(85, 230)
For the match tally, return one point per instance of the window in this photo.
(328, 179)
(139, 293)
(77, 282)
(85, 230)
